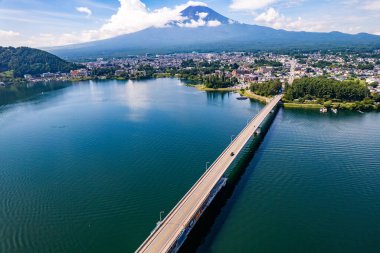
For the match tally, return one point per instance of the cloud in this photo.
(251, 4)
(4, 33)
(202, 15)
(7, 38)
(200, 22)
(131, 16)
(269, 16)
(84, 10)
(193, 23)
(371, 6)
(273, 18)
(368, 5)
(96, 5)
(214, 23)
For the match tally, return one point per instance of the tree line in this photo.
(269, 88)
(24, 60)
(326, 89)
(217, 82)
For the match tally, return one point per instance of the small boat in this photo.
(323, 110)
(242, 98)
(361, 112)
(334, 111)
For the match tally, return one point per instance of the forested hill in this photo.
(24, 60)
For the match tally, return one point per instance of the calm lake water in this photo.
(89, 167)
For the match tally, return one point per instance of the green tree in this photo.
(326, 89)
(24, 60)
(269, 88)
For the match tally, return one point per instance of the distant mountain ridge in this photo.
(204, 30)
(24, 60)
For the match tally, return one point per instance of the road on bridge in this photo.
(162, 239)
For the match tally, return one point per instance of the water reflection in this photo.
(17, 93)
(137, 99)
(216, 96)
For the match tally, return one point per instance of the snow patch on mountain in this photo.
(198, 16)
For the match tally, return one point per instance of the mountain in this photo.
(202, 13)
(25, 60)
(204, 30)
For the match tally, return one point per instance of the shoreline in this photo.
(250, 94)
(201, 87)
(340, 106)
(302, 106)
(347, 106)
(245, 93)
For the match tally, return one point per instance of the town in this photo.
(247, 68)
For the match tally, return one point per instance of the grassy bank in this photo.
(254, 96)
(347, 106)
(245, 93)
(303, 106)
(204, 88)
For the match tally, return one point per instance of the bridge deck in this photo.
(170, 229)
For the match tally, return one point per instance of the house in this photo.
(28, 77)
(79, 73)
(119, 72)
(48, 75)
(265, 70)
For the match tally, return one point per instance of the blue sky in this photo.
(41, 23)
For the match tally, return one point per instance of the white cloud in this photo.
(193, 23)
(202, 15)
(134, 15)
(269, 16)
(272, 18)
(371, 5)
(96, 5)
(131, 16)
(4, 33)
(7, 38)
(214, 23)
(200, 22)
(251, 4)
(84, 10)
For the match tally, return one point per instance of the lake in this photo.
(89, 167)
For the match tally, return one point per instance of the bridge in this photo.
(170, 234)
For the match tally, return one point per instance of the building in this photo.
(265, 70)
(28, 77)
(48, 75)
(79, 73)
(119, 72)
